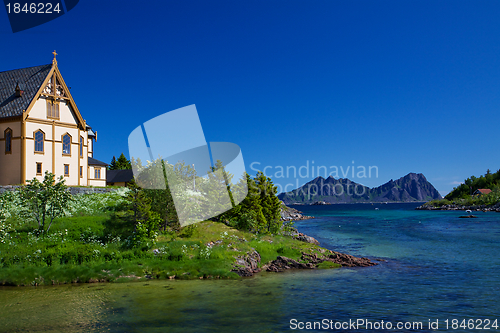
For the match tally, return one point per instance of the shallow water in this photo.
(438, 267)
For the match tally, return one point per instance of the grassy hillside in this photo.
(91, 244)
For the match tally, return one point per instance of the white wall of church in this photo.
(90, 147)
(73, 160)
(93, 181)
(66, 114)
(84, 160)
(10, 164)
(15, 126)
(32, 157)
(39, 110)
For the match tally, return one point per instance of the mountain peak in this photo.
(413, 187)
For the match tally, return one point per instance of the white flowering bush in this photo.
(10, 204)
(84, 204)
(95, 203)
(205, 253)
(161, 251)
(5, 227)
(5, 230)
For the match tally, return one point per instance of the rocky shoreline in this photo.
(474, 208)
(248, 265)
(292, 214)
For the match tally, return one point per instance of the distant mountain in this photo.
(412, 187)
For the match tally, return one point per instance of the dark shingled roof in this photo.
(29, 79)
(93, 161)
(118, 176)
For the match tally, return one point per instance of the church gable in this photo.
(57, 102)
(53, 108)
(54, 97)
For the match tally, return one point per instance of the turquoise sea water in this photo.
(437, 267)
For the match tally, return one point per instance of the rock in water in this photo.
(283, 263)
(346, 260)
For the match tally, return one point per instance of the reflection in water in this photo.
(253, 305)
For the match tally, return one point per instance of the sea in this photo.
(436, 272)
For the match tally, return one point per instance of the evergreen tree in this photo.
(248, 214)
(144, 219)
(112, 165)
(271, 205)
(122, 163)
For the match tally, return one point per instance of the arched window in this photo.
(66, 142)
(81, 146)
(8, 141)
(39, 138)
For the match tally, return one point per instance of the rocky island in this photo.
(320, 191)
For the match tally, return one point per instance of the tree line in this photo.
(470, 185)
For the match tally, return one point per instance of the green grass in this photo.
(92, 248)
(328, 264)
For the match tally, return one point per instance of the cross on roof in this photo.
(54, 53)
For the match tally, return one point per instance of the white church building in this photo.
(41, 129)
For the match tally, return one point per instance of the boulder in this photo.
(283, 263)
(313, 260)
(346, 260)
(247, 265)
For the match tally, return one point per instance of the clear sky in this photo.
(406, 86)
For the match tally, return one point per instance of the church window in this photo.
(97, 173)
(66, 141)
(52, 109)
(39, 169)
(39, 138)
(8, 141)
(81, 146)
(66, 170)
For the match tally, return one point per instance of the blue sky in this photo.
(407, 86)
